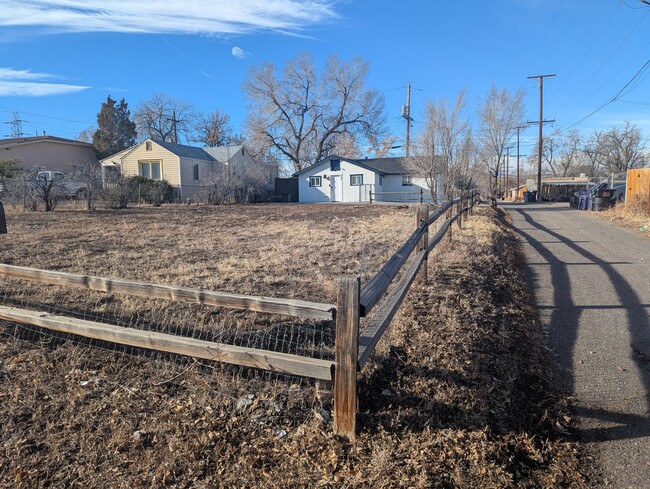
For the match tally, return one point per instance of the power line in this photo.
(588, 29)
(47, 116)
(615, 97)
(548, 31)
(604, 62)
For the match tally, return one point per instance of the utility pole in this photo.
(541, 123)
(406, 114)
(507, 183)
(519, 128)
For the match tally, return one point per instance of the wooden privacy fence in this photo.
(638, 184)
(354, 301)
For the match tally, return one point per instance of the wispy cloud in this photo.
(23, 83)
(208, 17)
(239, 53)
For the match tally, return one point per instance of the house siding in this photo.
(49, 154)
(191, 187)
(393, 183)
(169, 167)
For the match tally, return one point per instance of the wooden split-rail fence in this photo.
(353, 348)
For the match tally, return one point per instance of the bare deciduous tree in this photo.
(302, 115)
(165, 118)
(86, 135)
(49, 191)
(624, 147)
(595, 153)
(89, 176)
(228, 184)
(499, 114)
(561, 153)
(445, 149)
(213, 129)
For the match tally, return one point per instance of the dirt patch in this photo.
(459, 394)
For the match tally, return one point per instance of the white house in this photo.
(337, 179)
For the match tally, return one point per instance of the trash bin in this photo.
(533, 196)
(601, 204)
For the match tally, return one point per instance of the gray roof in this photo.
(185, 151)
(223, 153)
(391, 166)
(396, 165)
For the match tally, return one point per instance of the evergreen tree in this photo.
(115, 130)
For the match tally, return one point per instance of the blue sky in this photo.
(59, 59)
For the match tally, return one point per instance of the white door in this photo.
(335, 188)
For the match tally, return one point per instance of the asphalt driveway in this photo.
(591, 282)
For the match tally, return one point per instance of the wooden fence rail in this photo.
(288, 307)
(352, 350)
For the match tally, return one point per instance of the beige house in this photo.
(39, 153)
(186, 168)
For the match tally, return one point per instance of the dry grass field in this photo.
(459, 393)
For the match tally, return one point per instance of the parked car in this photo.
(69, 188)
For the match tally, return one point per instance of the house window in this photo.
(196, 171)
(381, 179)
(148, 146)
(315, 181)
(356, 180)
(335, 165)
(150, 169)
(406, 181)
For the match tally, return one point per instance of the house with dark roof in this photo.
(187, 168)
(40, 153)
(337, 179)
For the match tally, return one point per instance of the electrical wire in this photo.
(630, 84)
(604, 63)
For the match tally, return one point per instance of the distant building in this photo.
(39, 153)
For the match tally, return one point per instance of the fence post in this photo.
(371, 197)
(422, 214)
(459, 209)
(346, 357)
(450, 212)
(3, 220)
(421, 196)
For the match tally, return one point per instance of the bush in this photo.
(154, 192)
(117, 191)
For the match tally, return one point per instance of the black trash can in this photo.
(601, 204)
(533, 196)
